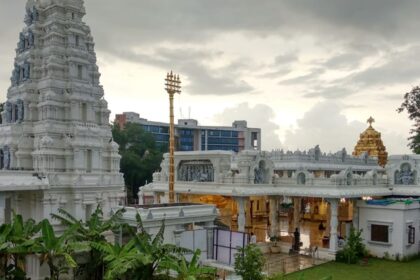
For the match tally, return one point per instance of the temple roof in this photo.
(370, 141)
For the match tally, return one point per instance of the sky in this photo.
(306, 72)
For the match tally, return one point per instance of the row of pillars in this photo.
(274, 201)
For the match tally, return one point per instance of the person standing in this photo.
(253, 238)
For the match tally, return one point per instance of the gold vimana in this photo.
(370, 141)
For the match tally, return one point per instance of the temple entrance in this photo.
(268, 217)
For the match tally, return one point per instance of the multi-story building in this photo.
(190, 136)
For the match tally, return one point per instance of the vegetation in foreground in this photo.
(82, 250)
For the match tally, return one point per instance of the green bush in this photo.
(353, 250)
(249, 263)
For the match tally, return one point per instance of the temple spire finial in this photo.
(370, 121)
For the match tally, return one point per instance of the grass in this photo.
(377, 269)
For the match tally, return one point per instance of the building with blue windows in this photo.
(190, 136)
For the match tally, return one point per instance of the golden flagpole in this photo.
(173, 85)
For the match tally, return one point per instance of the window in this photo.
(411, 235)
(98, 118)
(89, 161)
(84, 112)
(88, 213)
(77, 40)
(379, 233)
(79, 71)
(226, 133)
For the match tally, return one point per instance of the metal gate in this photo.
(226, 244)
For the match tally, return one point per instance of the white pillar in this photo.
(333, 224)
(241, 213)
(273, 216)
(355, 215)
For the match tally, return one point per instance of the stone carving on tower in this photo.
(55, 137)
(370, 142)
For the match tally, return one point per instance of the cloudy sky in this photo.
(306, 71)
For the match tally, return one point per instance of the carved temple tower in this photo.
(370, 142)
(56, 145)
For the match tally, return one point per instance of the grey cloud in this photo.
(397, 67)
(190, 20)
(312, 76)
(260, 116)
(329, 92)
(286, 58)
(345, 61)
(190, 62)
(364, 26)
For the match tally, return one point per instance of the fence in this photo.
(193, 240)
(226, 244)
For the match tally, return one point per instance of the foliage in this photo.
(56, 251)
(140, 155)
(143, 257)
(15, 244)
(189, 270)
(249, 263)
(354, 249)
(91, 231)
(411, 104)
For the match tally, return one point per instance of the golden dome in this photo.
(370, 141)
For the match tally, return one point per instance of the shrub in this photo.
(249, 263)
(353, 250)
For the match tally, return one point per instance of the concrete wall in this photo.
(398, 217)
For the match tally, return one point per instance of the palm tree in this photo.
(189, 270)
(91, 231)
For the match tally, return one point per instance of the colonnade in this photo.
(273, 216)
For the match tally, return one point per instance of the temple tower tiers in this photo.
(56, 145)
(370, 142)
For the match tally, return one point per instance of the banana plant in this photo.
(56, 251)
(91, 231)
(189, 270)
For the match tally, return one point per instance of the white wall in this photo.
(398, 216)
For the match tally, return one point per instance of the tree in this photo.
(411, 104)
(249, 263)
(140, 155)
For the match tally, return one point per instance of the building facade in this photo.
(190, 136)
(337, 190)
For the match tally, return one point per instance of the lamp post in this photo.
(173, 85)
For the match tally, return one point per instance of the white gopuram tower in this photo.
(56, 147)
